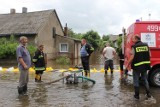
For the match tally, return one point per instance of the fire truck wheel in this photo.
(155, 77)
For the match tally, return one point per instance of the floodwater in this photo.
(109, 91)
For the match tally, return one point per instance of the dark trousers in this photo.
(39, 72)
(108, 64)
(136, 77)
(85, 63)
(121, 65)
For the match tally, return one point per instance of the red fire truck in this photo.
(149, 31)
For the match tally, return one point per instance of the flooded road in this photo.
(109, 91)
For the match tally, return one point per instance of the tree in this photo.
(72, 34)
(105, 38)
(119, 43)
(93, 38)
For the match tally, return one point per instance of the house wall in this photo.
(73, 47)
(77, 49)
(45, 36)
(70, 42)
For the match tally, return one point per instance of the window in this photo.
(63, 47)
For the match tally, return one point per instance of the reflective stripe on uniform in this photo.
(142, 49)
(141, 63)
(34, 60)
(92, 49)
(39, 68)
(40, 56)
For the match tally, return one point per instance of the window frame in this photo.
(60, 47)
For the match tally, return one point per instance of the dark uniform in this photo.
(86, 51)
(140, 65)
(40, 64)
(121, 61)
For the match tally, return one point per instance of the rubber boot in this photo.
(20, 90)
(85, 73)
(121, 74)
(148, 94)
(37, 78)
(25, 89)
(88, 74)
(111, 72)
(105, 72)
(136, 95)
(40, 79)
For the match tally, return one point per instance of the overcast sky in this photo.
(103, 16)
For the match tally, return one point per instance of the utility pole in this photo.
(123, 34)
(149, 16)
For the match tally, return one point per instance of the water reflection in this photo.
(39, 94)
(96, 61)
(108, 81)
(23, 101)
(108, 91)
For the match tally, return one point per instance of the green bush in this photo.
(63, 60)
(31, 49)
(8, 47)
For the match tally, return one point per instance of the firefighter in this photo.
(121, 62)
(40, 62)
(85, 52)
(140, 63)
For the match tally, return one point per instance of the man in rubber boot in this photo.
(140, 63)
(40, 62)
(108, 54)
(24, 63)
(121, 62)
(85, 52)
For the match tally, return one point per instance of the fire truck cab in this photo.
(149, 32)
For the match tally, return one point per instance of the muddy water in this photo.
(109, 91)
(96, 61)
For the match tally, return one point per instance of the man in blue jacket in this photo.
(85, 52)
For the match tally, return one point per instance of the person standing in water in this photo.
(40, 62)
(24, 63)
(85, 52)
(108, 54)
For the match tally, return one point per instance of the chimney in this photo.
(66, 30)
(12, 11)
(24, 10)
